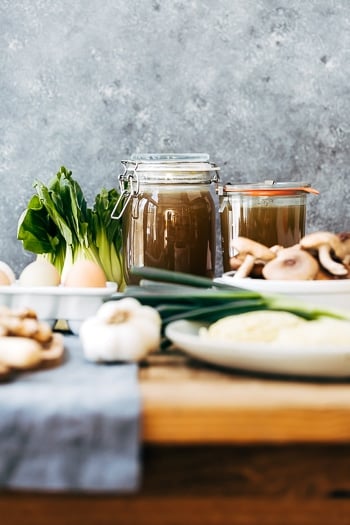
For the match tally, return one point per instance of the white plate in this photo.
(57, 302)
(329, 294)
(261, 357)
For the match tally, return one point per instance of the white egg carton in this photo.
(52, 303)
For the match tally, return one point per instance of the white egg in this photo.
(40, 273)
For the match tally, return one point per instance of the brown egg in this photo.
(4, 279)
(85, 274)
(7, 270)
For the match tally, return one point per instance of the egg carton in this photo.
(52, 303)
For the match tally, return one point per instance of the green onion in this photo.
(178, 295)
(172, 277)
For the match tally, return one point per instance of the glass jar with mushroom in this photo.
(270, 213)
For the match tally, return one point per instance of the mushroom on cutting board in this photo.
(251, 253)
(327, 245)
(292, 264)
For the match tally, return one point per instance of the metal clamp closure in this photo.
(216, 177)
(129, 187)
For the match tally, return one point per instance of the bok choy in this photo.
(59, 226)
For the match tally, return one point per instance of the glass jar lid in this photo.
(167, 162)
(268, 188)
(163, 169)
(166, 168)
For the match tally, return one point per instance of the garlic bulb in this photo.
(123, 330)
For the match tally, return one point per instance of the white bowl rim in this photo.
(339, 286)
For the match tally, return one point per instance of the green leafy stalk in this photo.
(183, 296)
(64, 202)
(168, 276)
(108, 235)
(59, 226)
(39, 233)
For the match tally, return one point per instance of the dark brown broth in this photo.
(173, 230)
(269, 225)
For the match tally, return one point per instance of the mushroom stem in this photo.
(246, 267)
(276, 248)
(250, 252)
(328, 263)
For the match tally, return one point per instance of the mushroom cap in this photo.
(246, 246)
(345, 239)
(317, 239)
(235, 262)
(291, 264)
(344, 236)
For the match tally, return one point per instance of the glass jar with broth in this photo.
(272, 213)
(168, 213)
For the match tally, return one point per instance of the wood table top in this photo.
(221, 447)
(187, 402)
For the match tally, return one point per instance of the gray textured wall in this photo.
(261, 85)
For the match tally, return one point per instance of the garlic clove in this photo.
(151, 314)
(121, 343)
(103, 342)
(150, 332)
(110, 311)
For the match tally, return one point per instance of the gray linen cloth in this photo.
(74, 427)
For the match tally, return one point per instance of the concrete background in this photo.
(260, 85)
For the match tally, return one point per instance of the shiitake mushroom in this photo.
(318, 256)
(292, 264)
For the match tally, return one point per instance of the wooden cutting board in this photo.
(52, 356)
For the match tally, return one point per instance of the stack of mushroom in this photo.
(318, 255)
